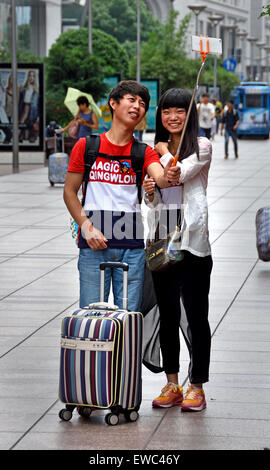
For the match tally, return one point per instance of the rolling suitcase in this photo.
(58, 164)
(263, 233)
(101, 358)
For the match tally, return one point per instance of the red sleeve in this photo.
(76, 160)
(151, 156)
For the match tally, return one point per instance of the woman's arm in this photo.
(190, 166)
(64, 129)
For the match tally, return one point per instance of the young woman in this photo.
(189, 278)
(86, 118)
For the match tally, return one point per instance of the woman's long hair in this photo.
(179, 98)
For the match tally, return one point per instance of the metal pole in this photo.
(215, 66)
(138, 74)
(251, 61)
(15, 139)
(243, 58)
(90, 39)
(197, 25)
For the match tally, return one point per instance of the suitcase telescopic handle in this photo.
(114, 265)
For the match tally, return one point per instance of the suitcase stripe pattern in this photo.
(101, 378)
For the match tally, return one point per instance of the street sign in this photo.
(230, 64)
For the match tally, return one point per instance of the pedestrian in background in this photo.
(214, 123)
(230, 121)
(206, 113)
(86, 119)
(218, 109)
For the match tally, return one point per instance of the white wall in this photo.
(53, 22)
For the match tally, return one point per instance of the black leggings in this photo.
(190, 280)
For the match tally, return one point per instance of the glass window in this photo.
(253, 101)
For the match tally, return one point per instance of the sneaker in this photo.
(171, 395)
(226, 156)
(236, 155)
(194, 399)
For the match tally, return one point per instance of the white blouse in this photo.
(194, 208)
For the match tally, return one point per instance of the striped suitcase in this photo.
(101, 358)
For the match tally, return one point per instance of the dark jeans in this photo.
(189, 279)
(230, 133)
(205, 132)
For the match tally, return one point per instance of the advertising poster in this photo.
(30, 106)
(153, 87)
(106, 117)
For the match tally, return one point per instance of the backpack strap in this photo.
(90, 156)
(137, 160)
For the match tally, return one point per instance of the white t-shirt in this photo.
(205, 113)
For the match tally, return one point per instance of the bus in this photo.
(252, 100)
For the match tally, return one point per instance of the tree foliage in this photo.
(119, 18)
(265, 10)
(70, 64)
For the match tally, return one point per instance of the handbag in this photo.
(160, 254)
(73, 131)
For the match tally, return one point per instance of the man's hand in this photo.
(95, 239)
(172, 173)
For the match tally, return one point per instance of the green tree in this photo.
(69, 64)
(163, 56)
(265, 10)
(119, 18)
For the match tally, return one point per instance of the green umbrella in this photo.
(71, 102)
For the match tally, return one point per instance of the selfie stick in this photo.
(205, 46)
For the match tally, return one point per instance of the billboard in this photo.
(30, 86)
(105, 121)
(153, 86)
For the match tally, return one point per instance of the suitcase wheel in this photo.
(111, 419)
(84, 411)
(65, 414)
(131, 415)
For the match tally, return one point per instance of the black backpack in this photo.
(91, 153)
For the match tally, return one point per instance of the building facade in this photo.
(43, 18)
(240, 23)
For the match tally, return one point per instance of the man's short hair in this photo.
(230, 101)
(205, 95)
(129, 87)
(82, 100)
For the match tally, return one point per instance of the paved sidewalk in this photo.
(39, 284)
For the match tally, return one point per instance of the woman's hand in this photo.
(162, 147)
(149, 185)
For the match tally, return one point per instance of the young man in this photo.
(110, 222)
(230, 120)
(207, 113)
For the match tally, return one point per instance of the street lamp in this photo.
(267, 50)
(260, 45)
(242, 36)
(138, 72)
(215, 20)
(15, 120)
(197, 9)
(90, 38)
(251, 40)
